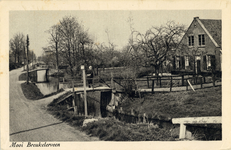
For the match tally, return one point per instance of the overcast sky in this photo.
(35, 23)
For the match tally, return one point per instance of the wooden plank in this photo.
(64, 98)
(190, 85)
(197, 120)
(81, 89)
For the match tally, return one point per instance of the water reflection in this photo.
(51, 86)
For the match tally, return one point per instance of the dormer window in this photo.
(201, 39)
(191, 41)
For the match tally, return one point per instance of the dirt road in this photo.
(29, 120)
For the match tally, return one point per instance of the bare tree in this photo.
(69, 40)
(157, 42)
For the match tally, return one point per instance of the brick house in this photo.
(199, 50)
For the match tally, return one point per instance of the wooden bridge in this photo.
(39, 75)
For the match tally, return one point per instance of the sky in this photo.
(35, 23)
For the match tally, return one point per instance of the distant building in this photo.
(200, 48)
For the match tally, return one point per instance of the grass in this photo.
(203, 102)
(31, 91)
(22, 77)
(110, 129)
(113, 130)
(164, 106)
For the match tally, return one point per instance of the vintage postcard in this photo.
(115, 74)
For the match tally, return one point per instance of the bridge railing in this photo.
(194, 120)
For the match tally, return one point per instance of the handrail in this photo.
(195, 120)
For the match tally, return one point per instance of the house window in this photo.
(211, 61)
(177, 62)
(191, 41)
(201, 39)
(186, 61)
(182, 62)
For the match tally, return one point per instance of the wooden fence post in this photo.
(160, 81)
(213, 78)
(112, 81)
(152, 86)
(201, 82)
(74, 101)
(171, 84)
(187, 84)
(148, 81)
(144, 118)
(182, 80)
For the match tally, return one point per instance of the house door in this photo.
(198, 67)
(104, 101)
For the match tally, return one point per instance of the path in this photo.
(29, 120)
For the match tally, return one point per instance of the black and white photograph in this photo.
(123, 75)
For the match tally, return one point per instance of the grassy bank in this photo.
(202, 102)
(164, 106)
(110, 129)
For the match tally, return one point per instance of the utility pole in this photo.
(57, 59)
(24, 56)
(85, 92)
(32, 57)
(27, 61)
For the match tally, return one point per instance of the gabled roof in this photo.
(214, 29)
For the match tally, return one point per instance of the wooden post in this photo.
(144, 118)
(93, 75)
(160, 81)
(85, 92)
(187, 84)
(182, 80)
(46, 75)
(27, 60)
(157, 80)
(152, 86)
(213, 78)
(74, 102)
(112, 80)
(171, 84)
(148, 81)
(182, 131)
(201, 82)
(204, 80)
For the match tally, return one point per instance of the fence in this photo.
(177, 81)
